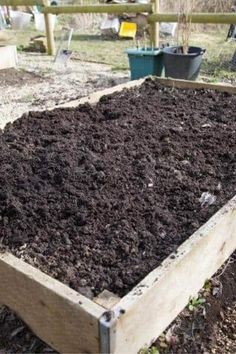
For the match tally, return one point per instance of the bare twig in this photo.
(185, 10)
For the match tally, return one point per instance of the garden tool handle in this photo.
(70, 37)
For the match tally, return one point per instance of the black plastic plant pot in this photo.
(182, 66)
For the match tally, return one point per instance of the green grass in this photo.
(216, 62)
(94, 48)
(216, 66)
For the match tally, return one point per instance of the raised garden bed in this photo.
(128, 174)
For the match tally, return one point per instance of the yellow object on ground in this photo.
(128, 29)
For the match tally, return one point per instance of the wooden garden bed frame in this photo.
(71, 323)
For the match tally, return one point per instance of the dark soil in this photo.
(98, 196)
(18, 78)
(16, 338)
(211, 327)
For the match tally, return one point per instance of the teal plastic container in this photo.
(144, 62)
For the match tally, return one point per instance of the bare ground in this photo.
(38, 84)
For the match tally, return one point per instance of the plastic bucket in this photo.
(20, 20)
(40, 22)
(183, 66)
(145, 62)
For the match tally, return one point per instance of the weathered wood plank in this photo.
(217, 18)
(98, 8)
(20, 2)
(155, 302)
(107, 299)
(60, 316)
(197, 85)
(95, 97)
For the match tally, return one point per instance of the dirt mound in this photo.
(98, 196)
(18, 78)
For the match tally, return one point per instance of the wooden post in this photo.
(155, 33)
(51, 48)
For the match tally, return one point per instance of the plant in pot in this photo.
(183, 61)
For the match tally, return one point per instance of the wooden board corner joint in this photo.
(108, 323)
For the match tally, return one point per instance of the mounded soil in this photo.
(98, 196)
(14, 77)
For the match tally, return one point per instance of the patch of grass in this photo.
(28, 98)
(110, 52)
(151, 350)
(121, 67)
(216, 63)
(208, 285)
(195, 302)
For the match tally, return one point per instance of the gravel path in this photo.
(38, 84)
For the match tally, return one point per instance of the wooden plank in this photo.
(95, 97)
(197, 85)
(155, 302)
(109, 9)
(8, 57)
(60, 316)
(20, 2)
(107, 299)
(217, 18)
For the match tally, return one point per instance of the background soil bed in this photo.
(13, 77)
(98, 196)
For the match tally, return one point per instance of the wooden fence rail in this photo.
(108, 9)
(20, 2)
(217, 18)
(154, 17)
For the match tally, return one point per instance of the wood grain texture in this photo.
(197, 85)
(95, 97)
(60, 316)
(20, 2)
(217, 18)
(107, 299)
(155, 302)
(184, 84)
(98, 8)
